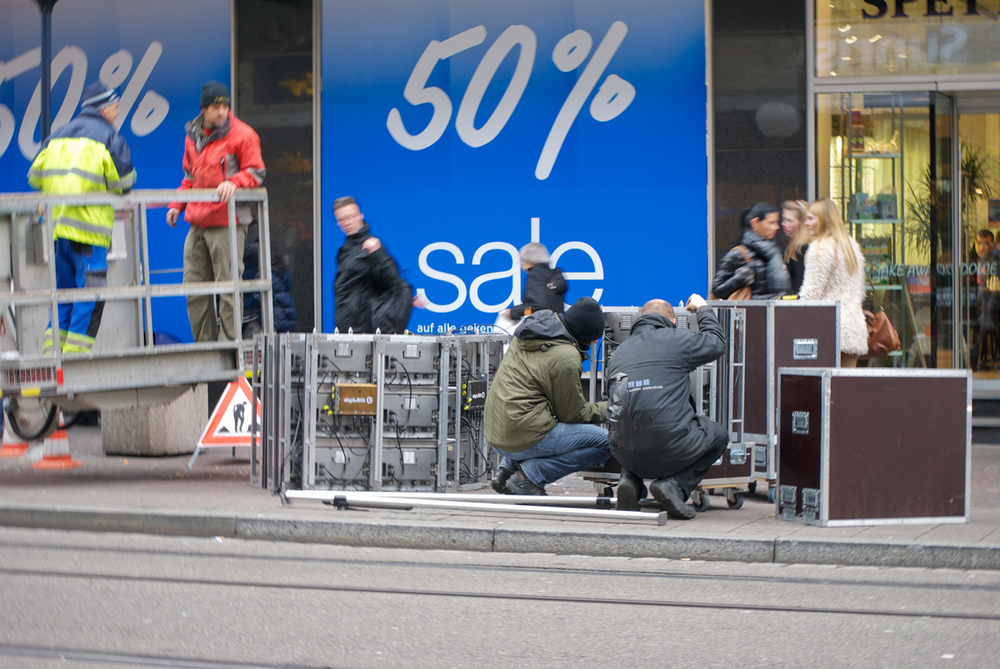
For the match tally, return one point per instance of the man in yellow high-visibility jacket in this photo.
(86, 155)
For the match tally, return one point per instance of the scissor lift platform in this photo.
(126, 368)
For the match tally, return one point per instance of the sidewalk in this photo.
(215, 498)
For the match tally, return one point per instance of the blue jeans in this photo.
(567, 448)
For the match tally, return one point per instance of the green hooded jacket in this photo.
(537, 385)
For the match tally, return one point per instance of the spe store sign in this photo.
(466, 130)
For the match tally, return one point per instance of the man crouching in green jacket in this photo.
(536, 415)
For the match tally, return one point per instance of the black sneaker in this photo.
(518, 484)
(670, 496)
(630, 491)
(499, 482)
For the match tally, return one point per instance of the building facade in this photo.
(626, 136)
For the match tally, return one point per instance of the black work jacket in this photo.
(652, 424)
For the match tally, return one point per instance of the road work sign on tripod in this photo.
(230, 423)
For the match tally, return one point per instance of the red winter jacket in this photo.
(231, 153)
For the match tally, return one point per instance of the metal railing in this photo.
(26, 222)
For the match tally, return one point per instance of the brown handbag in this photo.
(882, 337)
(744, 292)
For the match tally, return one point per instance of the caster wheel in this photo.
(752, 487)
(700, 501)
(770, 494)
(735, 500)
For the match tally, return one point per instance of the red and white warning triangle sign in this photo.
(231, 420)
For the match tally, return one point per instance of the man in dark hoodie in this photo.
(536, 415)
(653, 428)
(368, 292)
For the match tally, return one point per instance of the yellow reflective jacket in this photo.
(84, 156)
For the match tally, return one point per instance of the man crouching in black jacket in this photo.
(653, 429)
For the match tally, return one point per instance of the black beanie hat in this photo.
(585, 320)
(213, 92)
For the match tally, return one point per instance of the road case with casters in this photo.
(781, 333)
(874, 446)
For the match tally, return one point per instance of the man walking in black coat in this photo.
(368, 292)
(653, 428)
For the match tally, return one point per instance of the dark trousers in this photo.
(702, 446)
(689, 477)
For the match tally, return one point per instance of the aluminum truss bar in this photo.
(493, 498)
(368, 499)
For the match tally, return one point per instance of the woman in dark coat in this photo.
(762, 267)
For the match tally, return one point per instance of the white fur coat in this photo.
(827, 278)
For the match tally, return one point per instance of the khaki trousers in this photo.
(206, 258)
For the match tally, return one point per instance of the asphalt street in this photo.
(164, 496)
(135, 600)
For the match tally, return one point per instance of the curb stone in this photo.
(94, 519)
(635, 545)
(427, 536)
(930, 555)
(366, 534)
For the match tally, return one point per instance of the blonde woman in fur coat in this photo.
(835, 270)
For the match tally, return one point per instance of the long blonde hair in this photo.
(802, 235)
(830, 224)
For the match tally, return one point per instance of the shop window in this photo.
(274, 94)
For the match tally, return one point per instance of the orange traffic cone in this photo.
(55, 454)
(13, 446)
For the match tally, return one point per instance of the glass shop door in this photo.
(885, 159)
(978, 210)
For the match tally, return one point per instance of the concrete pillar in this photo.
(161, 429)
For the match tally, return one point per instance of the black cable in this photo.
(330, 362)
(409, 384)
(399, 444)
(336, 436)
(476, 431)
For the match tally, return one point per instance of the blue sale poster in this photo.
(467, 129)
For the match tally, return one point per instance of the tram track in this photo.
(134, 600)
(104, 657)
(574, 571)
(522, 597)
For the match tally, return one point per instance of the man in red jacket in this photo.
(223, 153)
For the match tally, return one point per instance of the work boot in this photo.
(499, 482)
(673, 500)
(630, 491)
(519, 484)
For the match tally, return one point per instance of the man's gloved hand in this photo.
(694, 302)
(745, 275)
